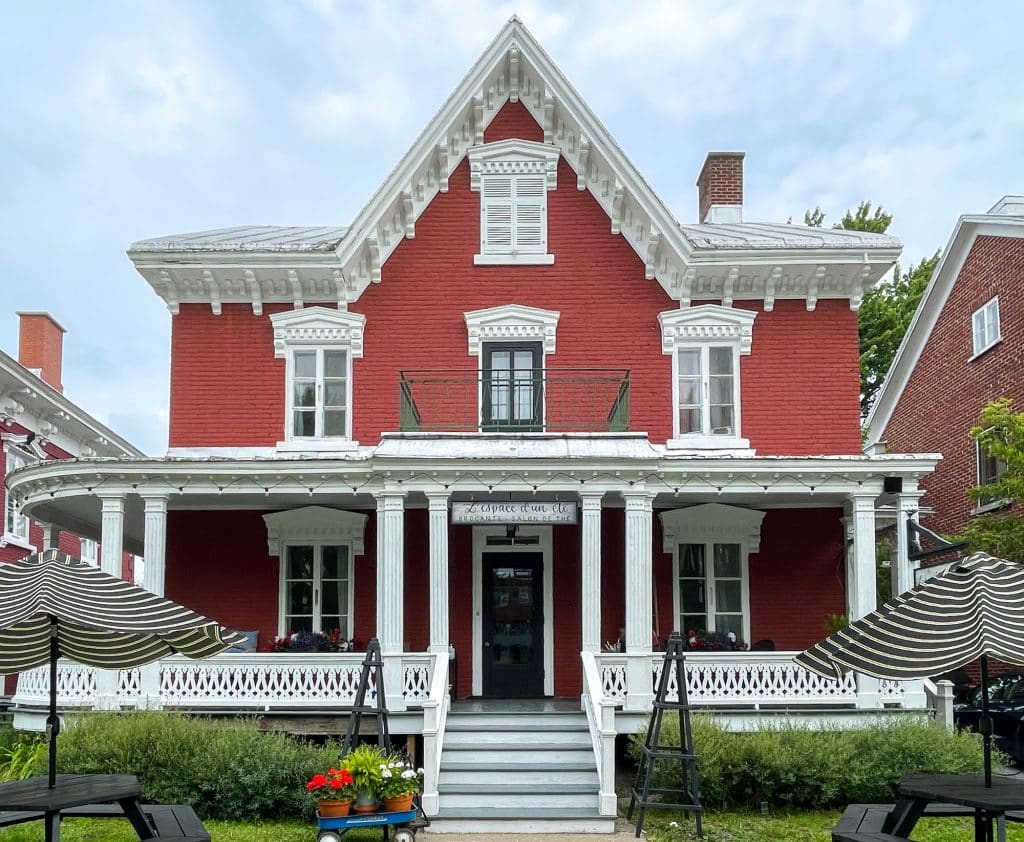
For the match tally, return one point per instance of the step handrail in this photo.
(600, 712)
(435, 717)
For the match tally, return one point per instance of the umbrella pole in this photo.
(985, 723)
(53, 721)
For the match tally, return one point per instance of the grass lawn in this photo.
(718, 827)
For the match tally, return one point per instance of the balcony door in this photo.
(513, 387)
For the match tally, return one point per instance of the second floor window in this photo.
(707, 391)
(985, 326)
(16, 524)
(990, 468)
(319, 393)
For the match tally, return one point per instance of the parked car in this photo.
(1006, 705)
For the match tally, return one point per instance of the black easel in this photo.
(653, 750)
(372, 663)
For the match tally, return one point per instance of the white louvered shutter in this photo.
(530, 233)
(496, 214)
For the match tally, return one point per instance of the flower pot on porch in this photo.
(398, 804)
(333, 809)
(366, 802)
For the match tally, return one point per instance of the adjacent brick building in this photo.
(964, 348)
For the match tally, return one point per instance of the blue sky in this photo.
(122, 121)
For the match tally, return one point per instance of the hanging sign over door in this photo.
(507, 511)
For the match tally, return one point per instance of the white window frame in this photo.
(514, 160)
(986, 330)
(14, 454)
(990, 505)
(702, 328)
(317, 329)
(317, 581)
(312, 526)
(507, 324)
(710, 524)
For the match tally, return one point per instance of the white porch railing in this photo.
(257, 680)
(435, 717)
(600, 712)
(752, 679)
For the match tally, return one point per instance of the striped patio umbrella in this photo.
(973, 611)
(53, 605)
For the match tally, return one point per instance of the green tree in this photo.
(1000, 433)
(887, 309)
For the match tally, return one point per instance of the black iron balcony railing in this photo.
(551, 401)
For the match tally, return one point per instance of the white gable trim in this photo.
(511, 322)
(315, 523)
(933, 301)
(513, 157)
(706, 323)
(712, 522)
(318, 326)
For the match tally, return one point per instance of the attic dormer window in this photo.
(513, 178)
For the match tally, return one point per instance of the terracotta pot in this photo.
(398, 804)
(333, 809)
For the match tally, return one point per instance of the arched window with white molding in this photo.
(316, 547)
(711, 545)
(706, 343)
(318, 345)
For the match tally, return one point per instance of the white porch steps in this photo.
(521, 772)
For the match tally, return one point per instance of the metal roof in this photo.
(768, 235)
(249, 238)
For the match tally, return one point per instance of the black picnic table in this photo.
(988, 802)
(35, 795)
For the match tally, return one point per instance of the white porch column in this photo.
(861, 587)
(155, 543)
(639, 612)
(391, 591)
(907, 504)
(439, 595)
(590, 571)
(112, 533)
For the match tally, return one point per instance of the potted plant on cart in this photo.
(334, 792)
(399, 784)
(364, 764)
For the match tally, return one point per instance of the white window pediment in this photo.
(318, 326)
(511, 322)
(706, 323)
(513, 157)
(315, 524)
(712, 522)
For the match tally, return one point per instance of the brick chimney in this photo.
(41, 346)
(720, 188)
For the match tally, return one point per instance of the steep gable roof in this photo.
(1005, 219)
(690, 262)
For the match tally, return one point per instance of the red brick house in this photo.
(964, 348)
(514, 410)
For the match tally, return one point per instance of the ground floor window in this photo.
(711, 587)
(316, 588)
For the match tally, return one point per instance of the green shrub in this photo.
(225, 770)
(789, 765)
(23, 759)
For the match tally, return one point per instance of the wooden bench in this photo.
(864, 822)
(868, 836)
(169, 821)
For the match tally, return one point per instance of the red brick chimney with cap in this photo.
(41, 346)
(720, 188)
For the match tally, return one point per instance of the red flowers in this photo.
(336, 785)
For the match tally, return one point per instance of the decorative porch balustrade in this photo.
(550, 401)
(749, 679)
(242, 681)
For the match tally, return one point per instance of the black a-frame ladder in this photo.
(372, 665)
(681, 758)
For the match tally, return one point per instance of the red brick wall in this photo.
(799, 385)
(947, 390)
